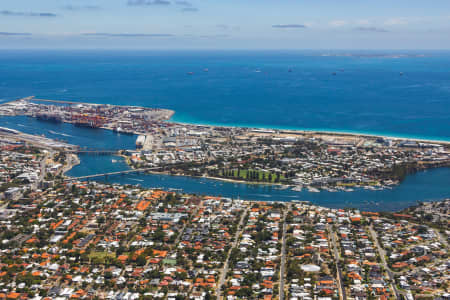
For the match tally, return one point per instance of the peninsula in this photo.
(296, 159)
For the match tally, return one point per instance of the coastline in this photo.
(171, 119)
(339, 133)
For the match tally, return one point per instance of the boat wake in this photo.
(140, 180)
(59, 133)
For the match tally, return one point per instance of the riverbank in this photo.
(299, 188)
(74, 160)
(428, 185)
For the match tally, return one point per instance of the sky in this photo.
(224, 24)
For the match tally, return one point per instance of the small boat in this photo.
(401, 73)
(205, 70)
(113, 161)
(190, 73)
(313, 190)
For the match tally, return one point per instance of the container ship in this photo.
(52, 117)
(87, 121)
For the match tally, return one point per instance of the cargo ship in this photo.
(87, 121)
(49, 117)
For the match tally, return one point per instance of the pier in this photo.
(111, 174)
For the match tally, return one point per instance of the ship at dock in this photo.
(83, 120)
(51, 117)
(123, 131)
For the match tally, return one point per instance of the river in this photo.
(429, 185)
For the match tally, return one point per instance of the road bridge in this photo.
(81, 178)
(95, 152)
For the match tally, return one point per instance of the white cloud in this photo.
(396, 21)
(363, 22)
(338, 23)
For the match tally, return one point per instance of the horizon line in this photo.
(222, 49)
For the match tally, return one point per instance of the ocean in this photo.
(397, 93)
(404, 94)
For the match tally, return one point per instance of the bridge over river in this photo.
(111, 174)
(94, 152)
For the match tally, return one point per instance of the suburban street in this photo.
(223, 274)
(283, 254)
(342, 294)
(382, 254)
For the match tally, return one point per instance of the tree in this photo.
(159, 235)
(244, 292)
(140, 260)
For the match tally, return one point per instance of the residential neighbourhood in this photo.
(416, 254)
(76, 239)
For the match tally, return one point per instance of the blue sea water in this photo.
(367, 95)
(255, 89)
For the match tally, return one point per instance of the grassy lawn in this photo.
(262, 175)
(100, 257)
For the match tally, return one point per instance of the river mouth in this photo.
(428, 185)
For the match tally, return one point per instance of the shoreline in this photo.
(75, 161)
(286, 130)
(337, 133)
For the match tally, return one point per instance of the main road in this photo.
(223, 274)
(337, 257)
(283, 253)
(382, 254)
